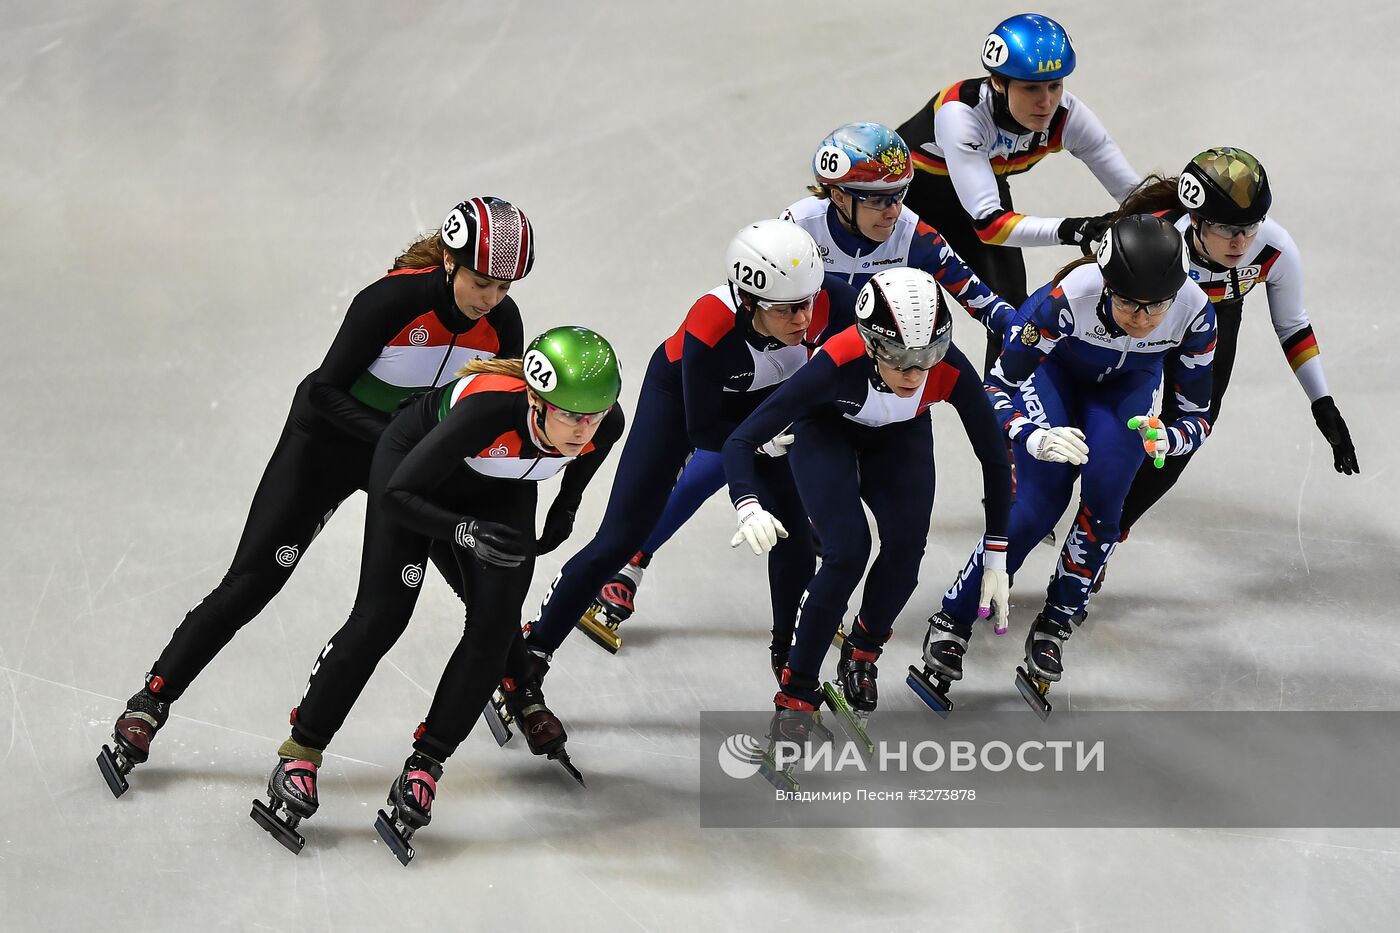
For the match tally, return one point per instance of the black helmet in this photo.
(1225, 186)
(1143, 257)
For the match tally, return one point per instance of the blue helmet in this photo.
(1028, 47)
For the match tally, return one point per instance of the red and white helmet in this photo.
(492, 237)
(904, 319)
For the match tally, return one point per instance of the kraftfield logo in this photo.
(740, 756)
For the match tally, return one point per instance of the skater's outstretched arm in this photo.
(931, 253)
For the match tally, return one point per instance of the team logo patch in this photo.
(463, 536)
(286, 555)
(1030, 334)
(412, 575)
(418, 336)
(500, 450)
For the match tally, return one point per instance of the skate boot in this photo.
(145, 713)
(794, 721)
(521, 703)
(1044, 663)
(854, 697)
(944, 648)
(614, 605)
(410, 805)
(290, 788)
(777, 660)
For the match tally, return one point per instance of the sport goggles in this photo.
(787, 308)
(576, 418)
(1230, 231)
(879, 199)
(1132, 306)
(907, 358)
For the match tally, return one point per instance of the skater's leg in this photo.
(305, 480)
(702, 477)
(793, 562)
(825, 468)
(1115, 453)
(654, 453)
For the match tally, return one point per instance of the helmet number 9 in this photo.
(833, 163)
(1190, 191)
(539, 372)
(994, 52)
(747, 275)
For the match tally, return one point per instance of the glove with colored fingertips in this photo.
(758, 528)
(1156, 440)
(493, 543)
(1058, 445)
(996, 585)
(1330, 423)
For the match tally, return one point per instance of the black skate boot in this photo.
(145, 713)
(794, 722)
(614, 604)
(854, 696)
(525, 704)
(291, 788)
(1044, 663)
(777, 660)
(410, 805)
(944, 648)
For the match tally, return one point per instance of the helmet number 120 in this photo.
(747, 275)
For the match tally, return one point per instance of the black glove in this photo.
(1083, 231)
(557, 525)
(1330, 423)
(493, 543)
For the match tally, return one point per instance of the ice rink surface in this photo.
(191, 195)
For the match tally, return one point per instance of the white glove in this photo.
(1058, 445)
(778, 446)
(996, 589)
(757, 527)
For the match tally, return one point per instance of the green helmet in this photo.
(574, 369)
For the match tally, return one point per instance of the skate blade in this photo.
(496, 722)
(563, 758)
(112, 772)
(839, 638)
(603, 635)
(389, 832)
(268, 819)
(1033, 692)
(821, 729)
(780, 779)
(1049, 538)
(854, 725)
(934, 698)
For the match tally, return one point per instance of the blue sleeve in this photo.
(810, 386)
(1188, 376)
(931, 253)
(1045, 314)
(984, 433)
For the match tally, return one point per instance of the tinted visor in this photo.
(897, 357)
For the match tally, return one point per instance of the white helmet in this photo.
(903, 318)
(775, 260)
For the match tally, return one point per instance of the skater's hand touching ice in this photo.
(996, 588)
(557, 526)
(1058, 445)
(757, 528)
(493, 543)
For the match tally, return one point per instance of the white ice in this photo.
(190, 194)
